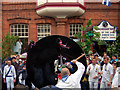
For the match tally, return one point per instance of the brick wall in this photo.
(25, 13)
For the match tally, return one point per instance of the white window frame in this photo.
(44, 33)
(74, 32)
(13, 28)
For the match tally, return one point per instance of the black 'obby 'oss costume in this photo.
(41, 57)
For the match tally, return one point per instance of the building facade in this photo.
(21, 19)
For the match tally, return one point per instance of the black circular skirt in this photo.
(41, 57)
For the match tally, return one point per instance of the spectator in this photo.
(17, 59)
(73, 80)
(96, 57)
(114, 68)
(116, 78)
(114, 59)
(91, 57)
(100, 62)
(14, 63)
(9, 75)
(85, 83)
(88, 59)
(93, 71)
(20, 65)
(4, 64)
(107, 74)
(22, 75)
(105, 56)
(19, 46)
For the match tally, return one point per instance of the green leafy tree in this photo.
(87, 38)
(113, 47)
(8, 43)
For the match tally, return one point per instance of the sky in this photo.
(56, 0)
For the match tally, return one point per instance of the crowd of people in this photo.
(13, 72)
(101, 72)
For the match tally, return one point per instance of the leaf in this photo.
(88, 23)
(8, 44)
(90, 52)
(96, 28)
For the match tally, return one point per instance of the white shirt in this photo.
(73, 80)
(11, 73)
(107, 71)
(95, 69)
(19, 45)
(116, 79)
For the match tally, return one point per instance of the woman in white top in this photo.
(19, 47)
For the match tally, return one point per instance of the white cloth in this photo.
(73, 80)
(95, 69)
(107, 71)
(103, 85)
(18, 47)
(20, 79)
(11, 73)
(15, 49)
(93, 85)
(116, 79)
(10, 82)
(19, 51)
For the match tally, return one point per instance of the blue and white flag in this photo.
(106, 2)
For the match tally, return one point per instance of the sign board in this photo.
(107, 32)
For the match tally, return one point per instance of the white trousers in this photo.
(10, 83)
(20, 80)
(93, 85)
(19, 51)
(103, 85)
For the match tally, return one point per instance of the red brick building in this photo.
(21, 19)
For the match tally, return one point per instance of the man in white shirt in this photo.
(116, 78)
(9, 75)
(73, 80)
(93, 70)
(19, 46)
(107, 74)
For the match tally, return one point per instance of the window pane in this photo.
(43, 30)
(15, 34)
(16, 30)
(19, 30)
(26, 34)
(16, 26)
(22, 30)
(11, 26)
(22, 26)
(19, 26)
(22, 34)
(26, 30)
(19, 34)
(73, 29)
(11, 30)
(26, 26)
